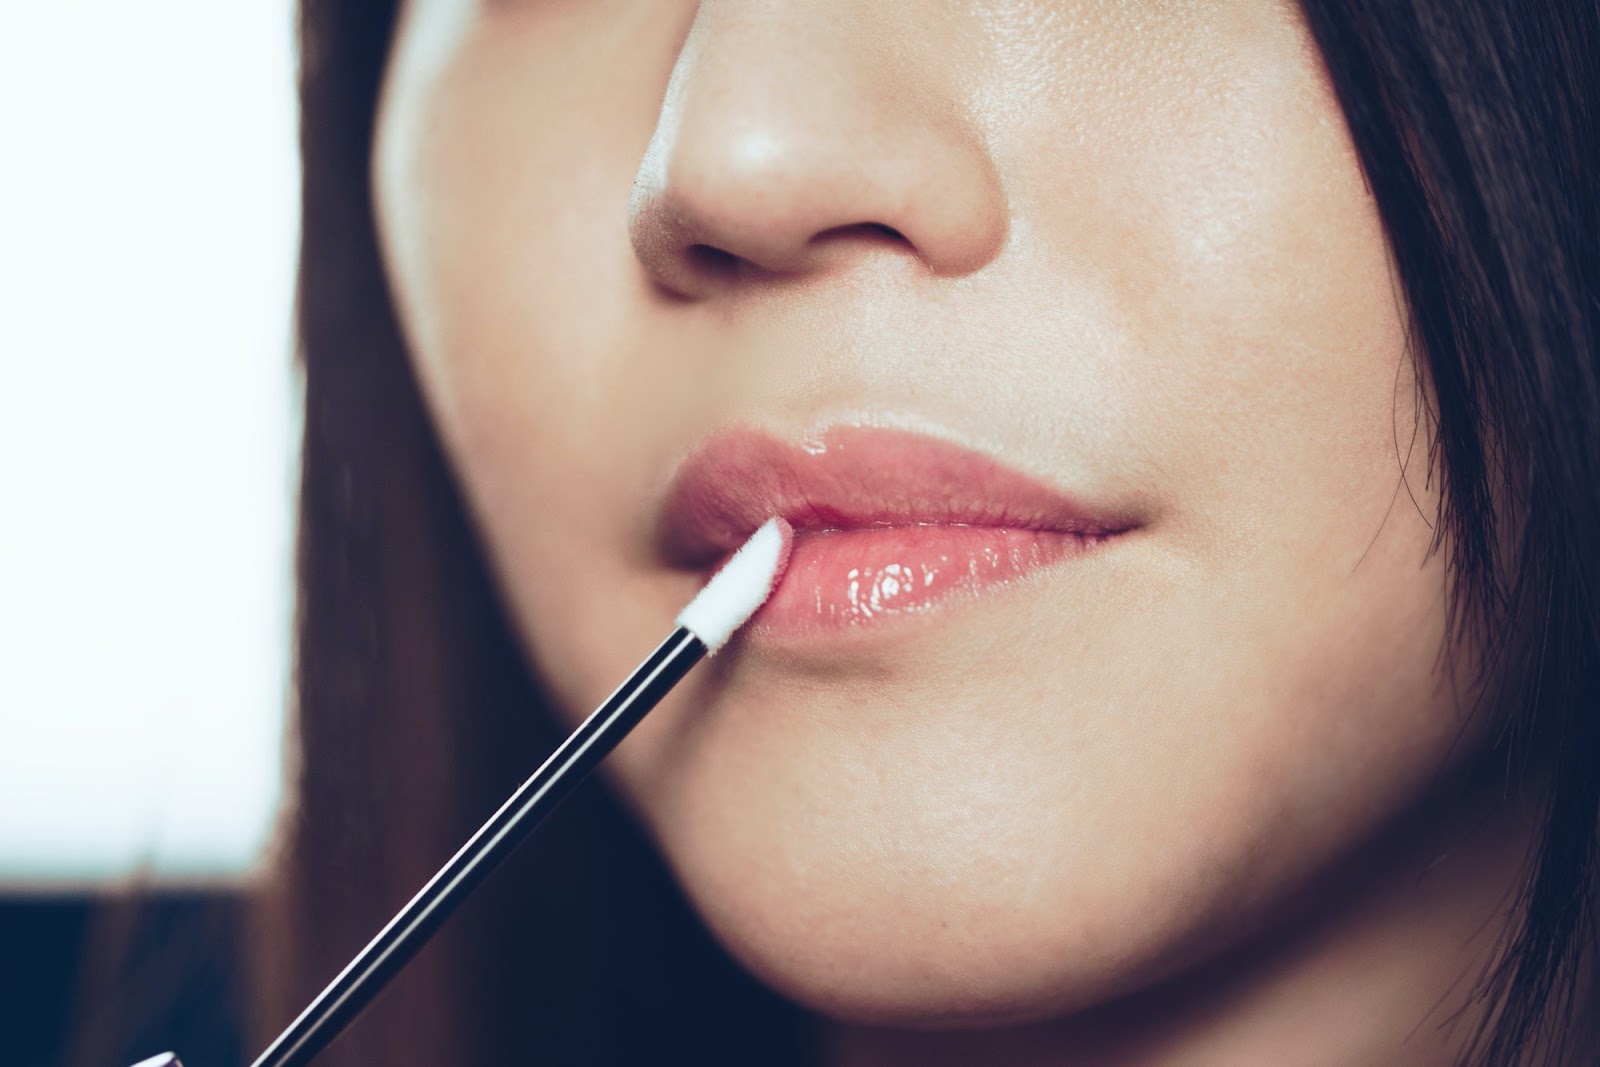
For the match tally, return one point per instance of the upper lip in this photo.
(861, 477)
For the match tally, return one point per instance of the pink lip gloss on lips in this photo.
(886, 523)
(852, 577)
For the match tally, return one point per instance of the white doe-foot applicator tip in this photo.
(741, 586)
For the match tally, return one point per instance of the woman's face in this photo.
(1123, 250)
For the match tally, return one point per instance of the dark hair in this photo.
(1476, 125)
(416, 711)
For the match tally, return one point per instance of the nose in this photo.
(798, 138)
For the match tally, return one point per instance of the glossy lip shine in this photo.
(887, 523)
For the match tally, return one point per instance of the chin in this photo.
(837, 927)
(922, 963)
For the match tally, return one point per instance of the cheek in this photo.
(503, 156)
(1208, 212)
(504, 242)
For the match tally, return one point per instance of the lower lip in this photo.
(840, 579)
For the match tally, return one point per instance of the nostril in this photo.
(870, 231)
(712, 260)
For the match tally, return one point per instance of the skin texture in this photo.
(1206, 796)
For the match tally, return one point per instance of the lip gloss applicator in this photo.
(726, 603)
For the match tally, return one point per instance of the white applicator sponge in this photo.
(742, 585)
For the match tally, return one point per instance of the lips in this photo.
(886, 523)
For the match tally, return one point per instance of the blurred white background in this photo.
(147, 236)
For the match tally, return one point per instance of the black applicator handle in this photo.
(397, 942)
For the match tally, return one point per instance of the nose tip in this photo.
(777, 157)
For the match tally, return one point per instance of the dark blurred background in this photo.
(86, 980)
